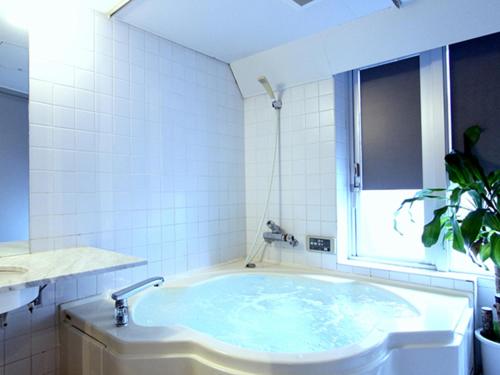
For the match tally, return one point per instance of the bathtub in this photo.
(271, 320)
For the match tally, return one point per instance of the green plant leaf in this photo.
(465, 171)
(420, 195)
(458, 239)
(492, 221)
(494, 177)
(471, 226)
(423, 195)
(476, 198)
(495, 192)
(495, 248)
(432, 229)
(456, 170)
(471, 137)
(456, 195)
(485, 252)
(476, 171)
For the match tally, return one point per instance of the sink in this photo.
(13, 299)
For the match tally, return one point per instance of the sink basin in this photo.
(13, 299)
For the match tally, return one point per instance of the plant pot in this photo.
(497, 279)
(490, 354)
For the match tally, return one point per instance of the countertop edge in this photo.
(69, 276)
(128, 262)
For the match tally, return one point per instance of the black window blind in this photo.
(391, 126)
(475, 95)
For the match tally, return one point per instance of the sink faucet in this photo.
(120, 297)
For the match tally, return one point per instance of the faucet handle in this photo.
(275, 228)
(291, 240)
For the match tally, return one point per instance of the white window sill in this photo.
(449, 280)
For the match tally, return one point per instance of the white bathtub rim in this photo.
(353, 362)
(372, 343)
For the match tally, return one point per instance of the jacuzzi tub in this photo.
(271, 320)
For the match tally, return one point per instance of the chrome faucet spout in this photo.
(120, 297)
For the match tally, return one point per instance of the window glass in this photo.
(391, 126)
(475, 94)
(475, 99)
(377, 237)
(391, 168)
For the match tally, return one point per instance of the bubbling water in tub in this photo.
(275, 313)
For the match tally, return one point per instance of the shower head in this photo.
(264, 82)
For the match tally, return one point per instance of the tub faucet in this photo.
(120, 297)
(278, 234)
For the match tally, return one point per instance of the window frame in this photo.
(435, 107)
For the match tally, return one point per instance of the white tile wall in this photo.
(307, 168)
(136, 146)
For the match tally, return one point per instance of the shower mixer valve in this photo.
(278, 234)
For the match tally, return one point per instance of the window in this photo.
(391, 136)
(475, 99)
(398, 143)
(475, 94)
(390, 151)
(407, 114)
(388, 161)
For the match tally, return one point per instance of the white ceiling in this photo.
(233, 29)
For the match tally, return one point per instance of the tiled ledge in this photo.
(462, 282)
(454, 282)
(448, 280)
(50, 266)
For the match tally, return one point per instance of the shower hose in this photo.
(256, 250)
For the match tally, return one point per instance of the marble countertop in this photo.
(45, 267)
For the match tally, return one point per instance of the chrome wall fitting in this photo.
(278, 234)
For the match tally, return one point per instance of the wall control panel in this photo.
(321, 244)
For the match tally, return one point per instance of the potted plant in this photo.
(469, 219)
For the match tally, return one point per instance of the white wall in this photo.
(136, 146)
(307, 168)
(418, 26)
